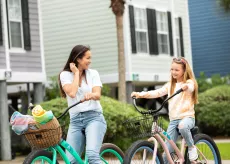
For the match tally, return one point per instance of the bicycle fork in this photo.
(152, 139)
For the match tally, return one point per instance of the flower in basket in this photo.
(40, 115)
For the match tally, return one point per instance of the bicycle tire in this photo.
(38, 155)
(138, 145)
(111, 153)
(205, 139)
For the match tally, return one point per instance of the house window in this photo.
(141, 30)
(162, 32)
(178, 46)
(15, 23)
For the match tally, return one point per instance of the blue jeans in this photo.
(184, 127)
(95, 127)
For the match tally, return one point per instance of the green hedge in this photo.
(213, 111)
(115, 114)
(114, 111)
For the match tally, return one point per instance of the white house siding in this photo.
(181, 10)
(156, 68)
(2, 48)
(68, 23)
(30, 61)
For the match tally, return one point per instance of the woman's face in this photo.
(177, 71)
(85, 61)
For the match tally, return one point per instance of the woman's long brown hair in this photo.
(77, 52)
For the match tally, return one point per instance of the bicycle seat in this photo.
(193, 131)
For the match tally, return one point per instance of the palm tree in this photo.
(225, 4)
(118, 7)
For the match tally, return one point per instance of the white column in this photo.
(5, 33)
(5, 127)
(38, 93)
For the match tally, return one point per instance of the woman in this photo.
(87, 123)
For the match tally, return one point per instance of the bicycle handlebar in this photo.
(59, 117)
(155, 111)
(31, 106)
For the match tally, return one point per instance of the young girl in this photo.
(181, 107)
(87, 123)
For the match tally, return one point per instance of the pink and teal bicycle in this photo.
(145, 152)
(47, 143)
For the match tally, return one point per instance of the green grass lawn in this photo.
(224, 150)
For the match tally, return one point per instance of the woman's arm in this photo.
(71, 89)
(95, 95)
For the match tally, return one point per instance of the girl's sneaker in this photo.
(192, 151)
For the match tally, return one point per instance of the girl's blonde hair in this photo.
(188, 74)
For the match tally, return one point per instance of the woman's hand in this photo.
(73, 68)
(88, 96)
(135, 94)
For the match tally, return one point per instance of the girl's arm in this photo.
(189, 85)
(152, 94)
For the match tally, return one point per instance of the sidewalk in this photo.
(20, 159)
(226, 140)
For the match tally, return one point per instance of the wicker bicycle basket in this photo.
(45, 136)
(142, 126)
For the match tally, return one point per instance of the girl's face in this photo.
(85, 61)
(177, 71)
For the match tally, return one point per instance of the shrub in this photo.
(53, 90)
(115, 114)
(213, 110)
(204, 83)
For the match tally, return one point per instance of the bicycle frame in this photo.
(157, 138)
(158, 135)
(67, 146)
(57, 148)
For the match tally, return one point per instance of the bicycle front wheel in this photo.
(111, 153)
(142, 152)
(39, 157)
(207, 151)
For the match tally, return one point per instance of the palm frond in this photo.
(225, 4)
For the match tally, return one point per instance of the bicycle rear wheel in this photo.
(111, 154)
(207, 148)
(39, 157)
(142, 152)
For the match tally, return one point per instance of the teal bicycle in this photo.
(47, 143)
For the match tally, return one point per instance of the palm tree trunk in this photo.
(121, 60)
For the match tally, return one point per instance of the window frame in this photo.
(141, 30)
(177, 36)
(162, 32)
(15, 49)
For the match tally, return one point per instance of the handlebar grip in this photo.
(179, 91)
